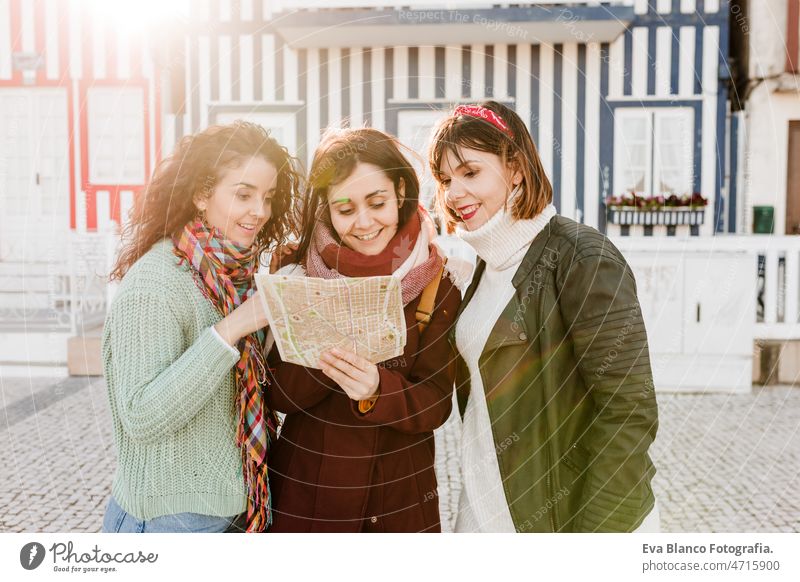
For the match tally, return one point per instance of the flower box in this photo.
(667, 210)
(675, 216)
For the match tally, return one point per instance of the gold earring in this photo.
(201, 214)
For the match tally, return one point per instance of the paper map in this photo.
(310, 315)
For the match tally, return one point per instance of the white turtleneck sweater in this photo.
(502, 243)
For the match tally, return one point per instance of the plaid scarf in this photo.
(223, 271)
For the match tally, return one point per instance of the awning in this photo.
(531, 24)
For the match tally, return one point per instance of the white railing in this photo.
(288, 5)
(66, 292)
(776, 272)
(88, 268)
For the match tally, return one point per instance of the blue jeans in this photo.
(117, 520)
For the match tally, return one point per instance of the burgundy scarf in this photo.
(328, 259)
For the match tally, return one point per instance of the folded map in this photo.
(308, 315)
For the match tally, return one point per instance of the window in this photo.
(116, 135)
(281, 126)
(654, 151)
(414, 131)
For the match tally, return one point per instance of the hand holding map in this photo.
(308, 315)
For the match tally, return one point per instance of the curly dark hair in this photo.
(194, 167)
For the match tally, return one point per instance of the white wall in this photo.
(766, 151)
(767, 37)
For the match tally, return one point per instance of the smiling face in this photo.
(477, 185)
(364, 209)
(241, 202)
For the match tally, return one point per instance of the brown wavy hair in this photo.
(464, 131)
(335, 159)
(194, 168)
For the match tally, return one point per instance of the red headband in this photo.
(486, 115)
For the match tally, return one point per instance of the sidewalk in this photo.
(725, 463)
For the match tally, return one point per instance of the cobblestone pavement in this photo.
(57, 454)
(726, 463)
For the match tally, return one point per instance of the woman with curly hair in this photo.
(183, 343)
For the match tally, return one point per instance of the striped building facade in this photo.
(592, 96)
(617, 95)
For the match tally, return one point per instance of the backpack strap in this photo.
(427, 301)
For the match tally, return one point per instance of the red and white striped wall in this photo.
(104, 77)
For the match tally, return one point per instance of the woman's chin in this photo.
(240, 241)
(372, 247)
(367, 249)
(473, 224)
(477, 221)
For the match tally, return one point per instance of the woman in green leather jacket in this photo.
(554, 379)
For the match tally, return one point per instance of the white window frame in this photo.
(654, 118)
(419, 142)
(105, 135)
(285, 121)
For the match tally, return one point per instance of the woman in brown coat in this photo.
(356, 450)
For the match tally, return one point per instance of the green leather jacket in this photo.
(568, 384)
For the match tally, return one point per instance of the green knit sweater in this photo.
(172, 392)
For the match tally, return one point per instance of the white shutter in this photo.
(632, 151)
(16, 134)
(674, 151)
(52, 154)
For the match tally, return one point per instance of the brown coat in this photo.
(334, 469)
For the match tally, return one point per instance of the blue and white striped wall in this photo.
(673, 54)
